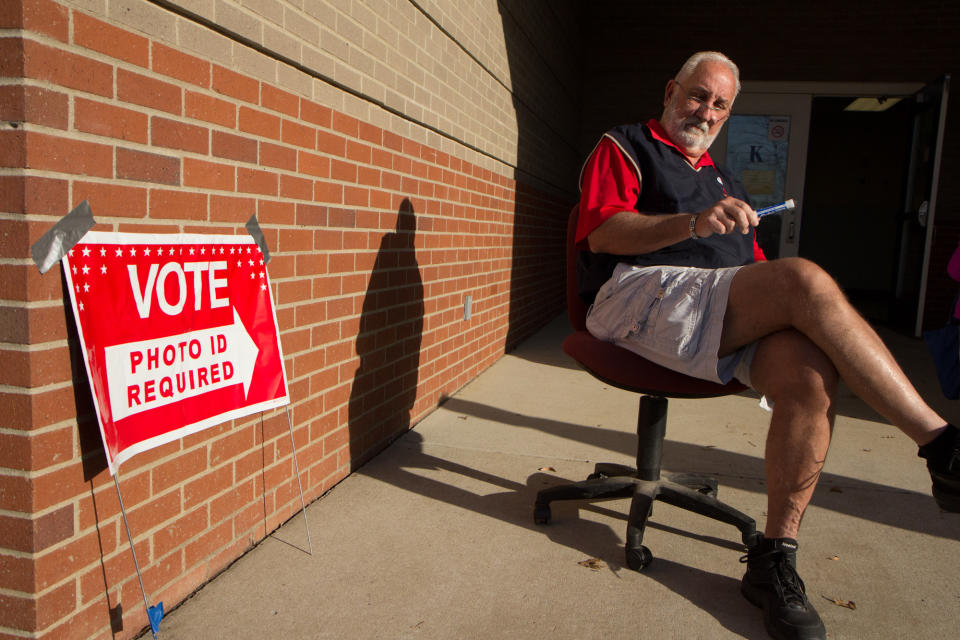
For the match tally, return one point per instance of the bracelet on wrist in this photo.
(693, 227)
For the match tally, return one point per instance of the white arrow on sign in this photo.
(152, 373)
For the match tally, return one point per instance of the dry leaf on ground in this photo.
(594, 564)
(849, 604)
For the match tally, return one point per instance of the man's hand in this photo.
(725, 216)
(631, 233)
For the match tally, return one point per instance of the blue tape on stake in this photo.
(155, 614)
(776, 208)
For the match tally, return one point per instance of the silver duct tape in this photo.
(51, 247)
(254, 230)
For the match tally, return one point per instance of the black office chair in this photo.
(626, 370)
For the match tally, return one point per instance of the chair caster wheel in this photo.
(752, 539)
(541, 513)
(639, 558)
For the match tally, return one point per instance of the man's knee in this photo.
(792, 284)
(808, 285)
(788, 367)
(808, 277)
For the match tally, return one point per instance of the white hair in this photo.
(703, 56)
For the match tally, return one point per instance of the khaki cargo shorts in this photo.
(672, 316)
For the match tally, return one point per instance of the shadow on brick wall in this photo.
(388, 343)
(92, 455)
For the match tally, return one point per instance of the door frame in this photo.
(795, 99)
(932, 208)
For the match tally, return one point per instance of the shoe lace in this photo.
(789, 583)
(953, 462)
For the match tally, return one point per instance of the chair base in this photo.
(692, 492)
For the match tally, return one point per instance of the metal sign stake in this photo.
(154, 614)
(296, 466)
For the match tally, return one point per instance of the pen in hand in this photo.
(776, 208)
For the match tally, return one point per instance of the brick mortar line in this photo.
(13, 553)
(35, 347)
(17, 594)
(16, 262)
(49, 428)
(30, 304)
(30, 391)
(21, 515)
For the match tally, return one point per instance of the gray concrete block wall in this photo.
(458, 69)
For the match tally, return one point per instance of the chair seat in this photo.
(626, 370)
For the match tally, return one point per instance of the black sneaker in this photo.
(943, 463)
(771, 583)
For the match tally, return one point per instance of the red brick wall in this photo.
(376, 239)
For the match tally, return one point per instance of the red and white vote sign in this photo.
(178, 334)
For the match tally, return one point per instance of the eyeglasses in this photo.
(697, 99)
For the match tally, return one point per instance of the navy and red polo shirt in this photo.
(611, 182)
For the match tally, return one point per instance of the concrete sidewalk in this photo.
(435, 537)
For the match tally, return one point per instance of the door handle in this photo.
(922, 213)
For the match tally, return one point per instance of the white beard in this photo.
(694, 135)
(691, 133)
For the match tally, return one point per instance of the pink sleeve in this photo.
(608, 186)
(953, 267)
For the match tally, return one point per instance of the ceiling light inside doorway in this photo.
(871, 104)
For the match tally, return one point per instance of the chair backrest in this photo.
(576, 309)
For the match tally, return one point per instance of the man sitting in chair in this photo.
(670, 265)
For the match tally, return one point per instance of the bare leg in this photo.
(800, 427)
(794, 293)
